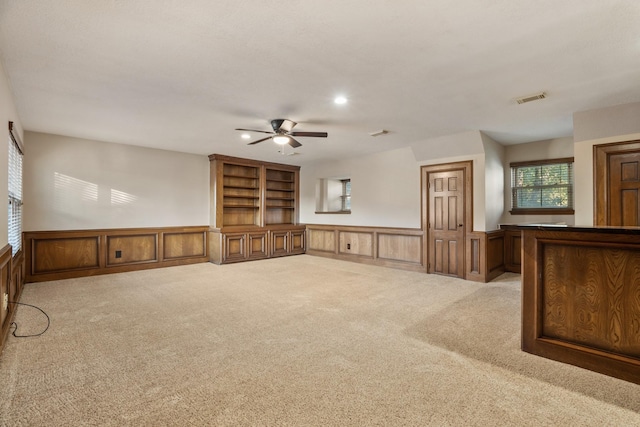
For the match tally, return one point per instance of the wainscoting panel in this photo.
(184, 245)
(356, 243)
(396, 247)
(132, 249)
(11, 283)
(322, 240)
(389, 247)
(65, 254)
(53, 255)
(485, 255)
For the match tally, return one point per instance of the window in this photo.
(333, 195)
(346, 194)
(542, 187)
(15, 191)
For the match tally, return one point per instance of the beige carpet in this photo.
(294, 341)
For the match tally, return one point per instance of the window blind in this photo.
(15, 194)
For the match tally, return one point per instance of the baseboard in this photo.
(54, 255)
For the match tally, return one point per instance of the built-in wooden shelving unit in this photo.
(254, 210)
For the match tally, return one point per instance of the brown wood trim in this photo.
(333, 212)
(541, 162)
(384, 246)
(16, 137)
(251, 162)
(68, 254)
(601, 155)
(542, 211)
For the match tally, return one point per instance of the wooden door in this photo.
(446, 222)
(624, 189)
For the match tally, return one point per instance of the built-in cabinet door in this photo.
(297, 241)
(446, 222)
(235, 247)
(280, 243)
(258, 247)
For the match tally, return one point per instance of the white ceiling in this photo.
(181, 75)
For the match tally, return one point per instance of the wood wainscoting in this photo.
(11, 283)
(485, 255)
(53, 255)
(388, 247)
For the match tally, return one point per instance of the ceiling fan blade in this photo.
(253, 130)
(294, 143)
(282, 125)
(313, 134)
(260, 140)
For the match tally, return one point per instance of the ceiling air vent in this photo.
(530, 98)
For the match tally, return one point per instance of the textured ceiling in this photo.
(181, 75)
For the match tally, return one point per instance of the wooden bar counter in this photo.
(581, 297)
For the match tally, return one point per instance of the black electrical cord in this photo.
(15, 325)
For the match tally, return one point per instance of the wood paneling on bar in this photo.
(581, 298)
(388, 247)
(512, 249)
(53, 255)
(485, 255)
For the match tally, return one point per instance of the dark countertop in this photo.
(571, 228)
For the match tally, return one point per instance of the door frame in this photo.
(601, 190)
(467, 172)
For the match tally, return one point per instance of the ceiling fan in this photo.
(282, 133)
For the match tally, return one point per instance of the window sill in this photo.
(334, 212)
(542, 211)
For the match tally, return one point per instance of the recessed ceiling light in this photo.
(340, 100)
(245, 136)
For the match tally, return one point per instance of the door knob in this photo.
(459, 225)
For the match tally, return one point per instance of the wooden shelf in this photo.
(235, 175)
(254, 211)
(242, 187)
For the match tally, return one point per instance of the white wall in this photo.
(494, 188)
(457, 148)
(385, 190)
(538, 150)
(595, 127)
(72, 184)
(7, 114)
(385, 187)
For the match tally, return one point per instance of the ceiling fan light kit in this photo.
(282, 133)
(281, 139)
